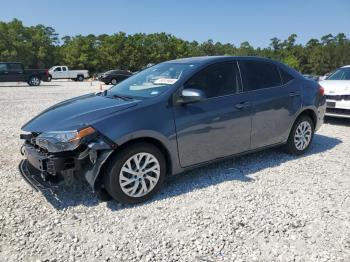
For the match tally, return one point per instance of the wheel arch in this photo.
(34, 75)
(305, 111)
(82, 75)
(308, 112)
(150, 140)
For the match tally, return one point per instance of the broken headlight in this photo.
(58, 141)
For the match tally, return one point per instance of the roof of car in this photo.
(346, 66)
(206, 59)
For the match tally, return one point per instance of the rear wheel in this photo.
(135, 173)
(301, 136)
(114, 81)
(80, 78)
(34, 81)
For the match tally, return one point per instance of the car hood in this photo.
(336, 87)
(76, 113)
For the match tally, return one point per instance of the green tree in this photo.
(39, 46)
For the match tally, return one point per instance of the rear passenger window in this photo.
(258, 75)
(216, 80)
(285, 76)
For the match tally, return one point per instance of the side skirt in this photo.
(228, 157)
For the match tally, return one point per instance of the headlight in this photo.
(58, 141)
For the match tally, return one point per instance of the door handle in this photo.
(292, 94)
(242, 105)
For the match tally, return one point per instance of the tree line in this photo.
(41, 47)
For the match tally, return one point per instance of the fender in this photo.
(92, 174)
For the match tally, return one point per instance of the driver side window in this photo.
(216, 80)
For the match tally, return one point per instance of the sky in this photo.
(227, 21)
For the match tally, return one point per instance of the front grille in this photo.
(338, 111)
(338, 97)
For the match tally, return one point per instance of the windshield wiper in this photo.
(105, 93)
(126, 98)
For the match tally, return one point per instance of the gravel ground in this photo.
(266, 206)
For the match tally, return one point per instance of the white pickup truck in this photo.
(62, 72)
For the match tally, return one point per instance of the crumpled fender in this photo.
(92, 173)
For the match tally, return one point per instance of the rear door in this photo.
(275, 101)
(65, 72)
(4, 77)
(220, 125)
(16, 72)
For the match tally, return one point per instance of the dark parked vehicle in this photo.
(169, 118)
(114, 76)
(312, 77)
(15, 72)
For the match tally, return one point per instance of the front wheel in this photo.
(301, 136)
(34, 81)
(49, 78)
(135, 173)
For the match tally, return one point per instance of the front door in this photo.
(16, 72)
(4, 73)
(218, 126)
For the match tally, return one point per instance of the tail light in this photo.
(46, 72)
(321, 90)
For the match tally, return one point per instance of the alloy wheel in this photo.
(303, 135)
(35, 81)
(139, 174)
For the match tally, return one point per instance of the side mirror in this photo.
(191, 96)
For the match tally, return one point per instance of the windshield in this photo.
(340, 74)
(152, 81)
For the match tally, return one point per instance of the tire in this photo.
(80, 78)
(138, 186)
(102, 195)
(34, 81)
(301, 136)
(114, 81)
(49, 78)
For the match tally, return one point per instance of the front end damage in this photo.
(48, 161)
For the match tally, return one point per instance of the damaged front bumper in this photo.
(43, 170)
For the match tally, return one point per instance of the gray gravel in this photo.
(267, 206)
